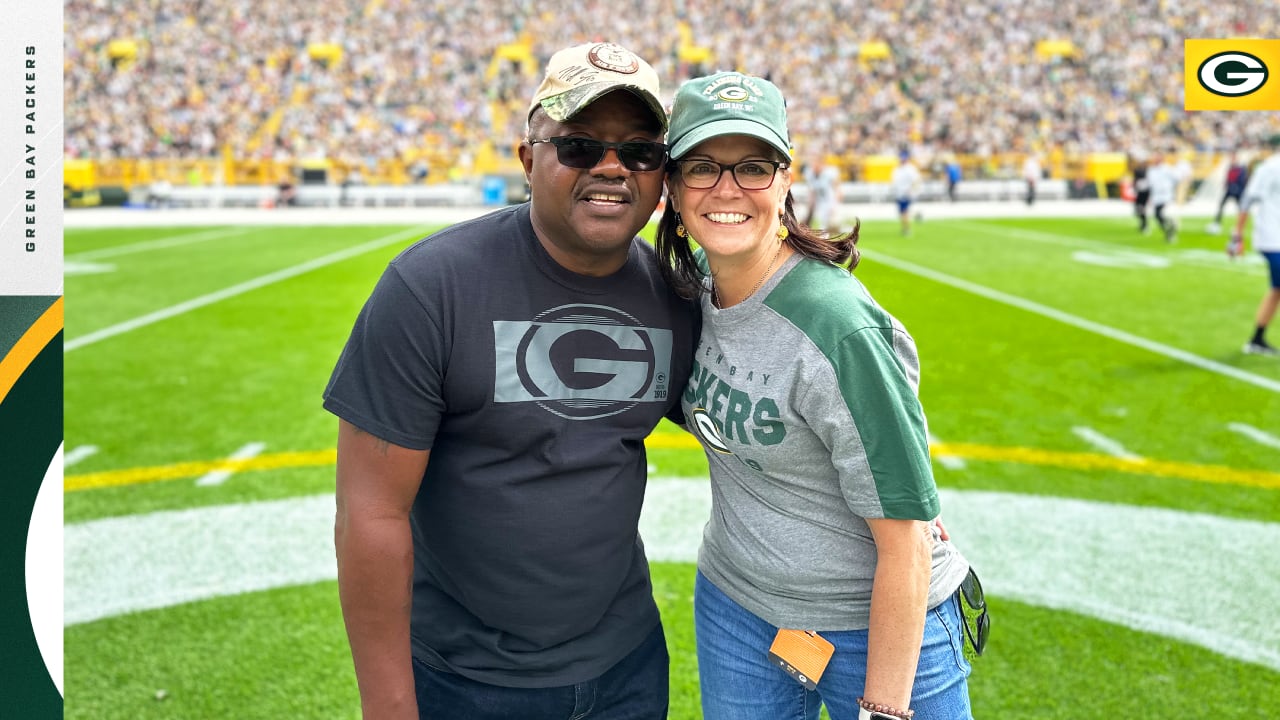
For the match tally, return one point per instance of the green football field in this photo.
(1108, 458)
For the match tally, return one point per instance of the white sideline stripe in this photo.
(239, 289)
(80, 452)
(1134, 566)
(156, 244)
(1079, 322)
(84, 268)
(217, 477)
(1103, 443)
(947, 461)
(1255, 434)
(1194, 256)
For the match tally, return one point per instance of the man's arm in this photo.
(1235, 247)
(376, 485)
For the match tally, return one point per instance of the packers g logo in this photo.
(733, 94)
(705, 427)
(581, 361)
(1231, 74)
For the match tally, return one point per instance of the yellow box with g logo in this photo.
(1236, 74)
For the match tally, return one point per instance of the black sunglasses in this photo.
(585, 153)
(973, 608)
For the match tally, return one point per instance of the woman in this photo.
(803, 394)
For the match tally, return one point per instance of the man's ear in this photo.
(525, 153)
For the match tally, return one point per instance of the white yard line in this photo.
(1195, 256)
(1104, 444)
(78, 453)
(157, 244)
(239, 289)
(217, 477)
(1254, 434)
(1034, 549)
(1075, 321)
(947, 461)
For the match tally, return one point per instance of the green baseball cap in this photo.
(728, 103)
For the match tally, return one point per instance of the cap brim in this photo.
(564, 106)
(735, 126)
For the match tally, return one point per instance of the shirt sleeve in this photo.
(388, 378)
(875, 426)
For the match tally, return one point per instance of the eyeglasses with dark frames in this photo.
(977, 623)
(749, 174)
(583, 153)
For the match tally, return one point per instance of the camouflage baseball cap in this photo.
(580, 75)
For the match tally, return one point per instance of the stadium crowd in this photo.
(188, 78)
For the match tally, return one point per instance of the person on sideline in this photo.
(803, 395)
(1163, 179)
(904, 183)
(954, 175)
(494, 398)
(1263, 193)
(1237, 177)
(1141, 192)
(1031, 175)
(823, 180)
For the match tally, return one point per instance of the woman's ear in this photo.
(671, 196)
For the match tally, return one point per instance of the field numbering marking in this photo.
(1102, 443)
(1253, 433)
(219, 476)
(78, 453)
(950, 462)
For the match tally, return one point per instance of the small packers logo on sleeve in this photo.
(1234, 74)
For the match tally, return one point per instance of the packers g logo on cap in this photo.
(1231, 74)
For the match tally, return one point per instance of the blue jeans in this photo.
(636, 688)
(740, 683)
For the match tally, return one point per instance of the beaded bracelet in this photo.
(886, 709)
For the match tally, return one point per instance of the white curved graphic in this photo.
(44, 569)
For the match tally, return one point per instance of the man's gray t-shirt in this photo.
(534, 388)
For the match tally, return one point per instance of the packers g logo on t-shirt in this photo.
(581, 361)
(706, 429)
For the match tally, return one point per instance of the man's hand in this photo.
(1235, 246)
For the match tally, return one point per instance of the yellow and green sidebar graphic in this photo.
(31, 505)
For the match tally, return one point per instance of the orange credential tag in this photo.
(802, 654)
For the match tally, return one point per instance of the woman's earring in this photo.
(680, 231)
(783, 232)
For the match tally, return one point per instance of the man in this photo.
(954, 174)
(1163, 179)
(494, 398)
(1031, 174)
(904, 182)
(1263, 191)
(1141, 193)
(1237, 178)
(824, 193)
